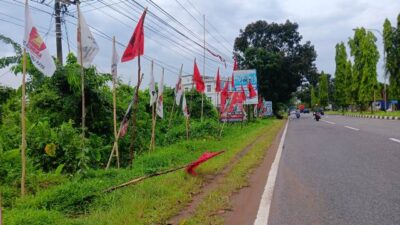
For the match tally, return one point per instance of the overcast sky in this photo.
(324, 23)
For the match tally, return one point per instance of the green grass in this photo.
(208, 212)
(376, 113)
(79, 200)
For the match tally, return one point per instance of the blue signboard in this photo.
(242, 78)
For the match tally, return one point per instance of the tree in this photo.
(391, 43)
(351, 97)
(342, 77)
(323, 89)
(10, 60)
(281, 61)
(366, 56)
(314, 98)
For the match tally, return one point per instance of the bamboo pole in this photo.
(187, 127)
(82, 75)
(152, 112)
(115, 114)
(173, 105)
(134, 115)
(23, 125)
(204, 63)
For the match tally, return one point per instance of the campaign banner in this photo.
(242, 78)
(267, 108)
(231, 109)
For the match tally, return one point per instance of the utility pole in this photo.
(57, 15)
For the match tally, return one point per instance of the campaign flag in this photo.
(252, 92)
(36, 47)
(204, 157)
(159, 105)
(243, 93)
(114, 62)
(184, 106)
(136, 43)
(218, 82)
(197, 79)
(235, 63)
(178, 90)
(152, 89)
(86, 43)
(233, 83)
(224, 91)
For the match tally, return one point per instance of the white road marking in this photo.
(395, 140)
(352, 128)
(266, 198)
(328, 122)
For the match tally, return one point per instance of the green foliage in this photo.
(281, 61)
(391, 46)
(366, 55)
(323, 90)
(342, 77)
(314, 98)
(10, 60)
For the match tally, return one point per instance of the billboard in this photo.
(243, 77)
(231, 109)
(267, 108)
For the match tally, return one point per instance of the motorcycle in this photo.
(297, 115)
(317, 116)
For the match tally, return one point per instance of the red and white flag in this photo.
(36, 47)
(87, 42)
(233, 83)
(159, 105)
(197, 79)
(243, 93)
(184, 107)
(235, 63)
(252, 92)
(136, 43)
(178, 90)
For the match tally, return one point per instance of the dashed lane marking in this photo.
(352, 128)
(395, 140)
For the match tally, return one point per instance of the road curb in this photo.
(372, 116)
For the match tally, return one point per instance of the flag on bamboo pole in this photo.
(178, 90)
(87, 41)
(218, 82)
(36, 47)
(124, 127)
(197, 79)
(184, 106)
(235, 63)
(252, 92)
(159, 105)
(136, 43)
(204, 157)
(114, 62)
(152, 88)
(243, 93)
(224, 91)
(233, 83)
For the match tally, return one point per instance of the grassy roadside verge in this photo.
(209, 211)
(376, 113)
(151, 202)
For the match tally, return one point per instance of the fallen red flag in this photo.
(204, 157)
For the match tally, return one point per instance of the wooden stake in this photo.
(23, 126)
(115, 114)
(152, 112)
(187, 127)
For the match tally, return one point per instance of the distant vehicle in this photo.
(306, 110)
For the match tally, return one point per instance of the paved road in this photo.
(341, 170)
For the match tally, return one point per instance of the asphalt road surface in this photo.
(340, 170)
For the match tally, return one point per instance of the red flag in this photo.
(204, 157)
(243, 93)
(217, 82)
(235, 63)
(224, 91)
(136, 44)
(197, 80)
(233, 83)
(252, 92)
(260, 102)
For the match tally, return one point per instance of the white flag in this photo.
(152, 87)
(114, 62)
(184, 106)
(178, 90)
(160, 111)
(89, 44)
(36, 47)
